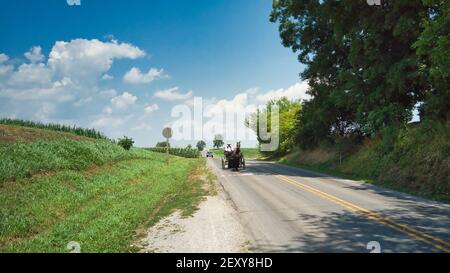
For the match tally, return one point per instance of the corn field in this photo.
(183, 152)
(91, 133)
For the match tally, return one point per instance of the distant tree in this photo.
(201, 145)
(126, 142)
(288, 111)
(162, 144)
(189, 147)
(218, 141)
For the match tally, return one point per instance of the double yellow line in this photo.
(416, 234)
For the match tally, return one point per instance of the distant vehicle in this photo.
(209, 154)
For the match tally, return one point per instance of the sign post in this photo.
(167, 133)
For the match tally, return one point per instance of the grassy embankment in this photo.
(58, 187)
(414, 159)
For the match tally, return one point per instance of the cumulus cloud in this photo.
(87, 60)
(65, 82)
(73, 69)
(294, 92)
(135, 76)
(123, 101)
(173, 94)
(151, 108)
(32, 76)
(35, 55)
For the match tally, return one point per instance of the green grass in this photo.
(100, 211)
(249, 153)
(55, 191)
(23, 159)
(91, 133)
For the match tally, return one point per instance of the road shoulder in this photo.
(214, 227)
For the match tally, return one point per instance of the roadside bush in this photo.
(126, 142)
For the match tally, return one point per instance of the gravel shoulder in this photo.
(215, 227)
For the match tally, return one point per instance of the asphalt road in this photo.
(286, 209)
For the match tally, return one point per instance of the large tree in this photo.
(360, 63)
(433, 47)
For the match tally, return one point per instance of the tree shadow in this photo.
(346, 233)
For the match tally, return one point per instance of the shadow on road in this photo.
(344, 232)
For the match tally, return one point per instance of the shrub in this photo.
(126, 142)
(162, 144)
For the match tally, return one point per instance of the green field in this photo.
(57, 190)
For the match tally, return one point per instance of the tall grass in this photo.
(91, 133)
(183, 152)
(22, 159)
(100, 210)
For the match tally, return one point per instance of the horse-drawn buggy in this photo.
(233, 158)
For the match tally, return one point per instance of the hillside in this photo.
(414, 159)
(57, 187)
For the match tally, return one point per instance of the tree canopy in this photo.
(367, 66)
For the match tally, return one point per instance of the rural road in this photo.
(286, 209)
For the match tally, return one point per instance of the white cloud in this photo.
(83, 101)
(4, 68)
(107, 77)
(32, 76)
(35, 55)
(173, 94)
(135, 76)
(87, 60)
(3, 58)
(108, 93)
(74, 2)
(107, 110)
(151, 108)
(239, 104)
(73, 70)
(294, 92)
(123, 101)
(110, 122)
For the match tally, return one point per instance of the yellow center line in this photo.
(416, 234)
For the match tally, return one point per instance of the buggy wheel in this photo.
(223, 164)
(243, 163)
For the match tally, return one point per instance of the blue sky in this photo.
(68, 63)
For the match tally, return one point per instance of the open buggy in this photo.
(233, 158)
